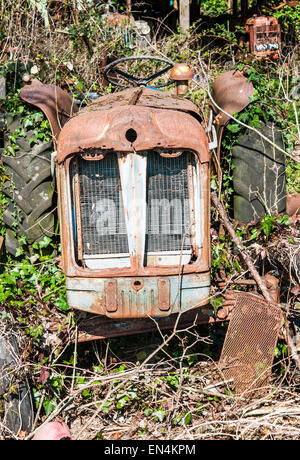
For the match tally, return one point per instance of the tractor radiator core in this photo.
(102, 211)
(168, 207)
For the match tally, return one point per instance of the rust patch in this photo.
(172, 129)
(137, 285)
(272, 284)
(143, 97)
(293, 204)
(111, 296)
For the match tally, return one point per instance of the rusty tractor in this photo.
(133, 184)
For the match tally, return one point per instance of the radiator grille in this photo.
(102, 211)
(168, 209)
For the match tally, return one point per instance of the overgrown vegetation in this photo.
(164, 386)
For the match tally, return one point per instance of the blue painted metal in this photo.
(186, 292)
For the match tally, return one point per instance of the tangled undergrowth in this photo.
(164, 384)
(159, 385)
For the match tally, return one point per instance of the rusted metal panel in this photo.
(272, 284)
(153, 127)
(145, 288)
(133, 178)
(250, 342)
(53, 101)
(293, 204)
(101, 327)
(143, 97)
(138, 297)
(78, 212)
(117, 99)
(164, 100)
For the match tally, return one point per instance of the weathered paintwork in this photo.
(124, 301)
(93, 134)
(136, 290)
(155, 127)
(156, 285)
(71, 267)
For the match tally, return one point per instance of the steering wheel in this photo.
(113, 67)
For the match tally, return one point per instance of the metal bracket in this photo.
(163, 288)
(111, 296)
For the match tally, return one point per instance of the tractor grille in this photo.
(168, 209)
(98, 210)
(102, 212)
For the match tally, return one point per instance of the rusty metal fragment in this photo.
(163, 294)
(250, 342)
(111, 296)
(142, 97)
(293, 204)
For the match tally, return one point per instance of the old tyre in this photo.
(16, 412)
(29, 191)
(259, 175)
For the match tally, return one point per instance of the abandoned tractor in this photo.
(133, 183)
(132, 174)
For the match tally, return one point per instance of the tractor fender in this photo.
(231, 93)
(56, 104)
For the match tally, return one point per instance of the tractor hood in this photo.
(128, 128)
(88, 127)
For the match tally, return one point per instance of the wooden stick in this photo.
(241, 247)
